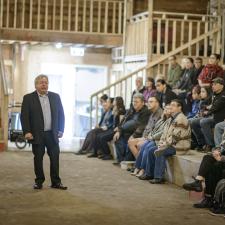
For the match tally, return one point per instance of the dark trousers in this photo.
(212, 171)
(90, 139)
(103, 139)
(53, 153)
(121, 146)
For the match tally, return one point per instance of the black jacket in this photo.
(187, 79)
(167, 97)
(134, 123)
(32, 117)
(218, 107)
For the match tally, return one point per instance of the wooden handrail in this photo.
(159, 60)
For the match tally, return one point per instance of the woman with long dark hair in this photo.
(106, 136)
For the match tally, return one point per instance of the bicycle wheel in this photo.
(20, 142)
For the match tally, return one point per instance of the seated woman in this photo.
(212, 169)
(105, 122)
(106, 136)
(150, 90)
(211, 71)
(206, 99)
(152, 140)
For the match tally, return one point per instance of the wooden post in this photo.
(38, 16)
(198, 34)
(54, 11)
(1, 14)
(15, 14)
(84, 15)
(23, 14)
(31, 14)
(7, 14)
(150, 30)
(99, 17)
(46, 14)
(91, 16)
(106, 17)
(61, 15)
(124, 35)
(76, 15)
(158, 45)
(69, 16)
(206, 39)
(223, 36)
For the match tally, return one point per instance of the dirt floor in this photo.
(99, 194)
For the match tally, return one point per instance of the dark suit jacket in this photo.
(32, 117)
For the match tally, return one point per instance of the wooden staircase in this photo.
(191, 37)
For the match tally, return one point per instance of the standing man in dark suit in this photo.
(42, 119)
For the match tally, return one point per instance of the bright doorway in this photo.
(75, 84)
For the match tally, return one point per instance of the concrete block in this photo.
(180, 169)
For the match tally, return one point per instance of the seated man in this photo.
(176, 139)
(212, 169)
(216, 113)
(140, 88)
(156, 112)
(133, 125)
(174, 72)
(164, 93)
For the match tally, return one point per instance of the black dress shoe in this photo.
(194, 186)
(107, 157)
(37, 186)
(157, 181)
(116, 163)
(80, 152)
(207, 202)
(92, 155)
(145, 177)
(59, 186)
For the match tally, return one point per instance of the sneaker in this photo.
(205, 203)
(157, 181)
(107, 157)
(194, 186)
(217, 212)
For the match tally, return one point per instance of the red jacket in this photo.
(210, 72)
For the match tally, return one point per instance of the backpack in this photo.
(219, 196)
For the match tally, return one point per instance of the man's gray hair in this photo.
(140, 96)
(139, 78)
(39, 77)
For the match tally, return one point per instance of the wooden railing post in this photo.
(150, 30)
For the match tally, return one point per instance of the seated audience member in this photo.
(106, 136)
(174, 72)
(175, 139)
(195, 104)
(185, 84)
(105, 123)
(149, 89)
(216, 112)
(206, 100)
(140, 88)
(211, 71)
(151, 141)
(133, 125)
(164, 93)
(86, 147)
(212, 169)
(156, 112)
(198, 66)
